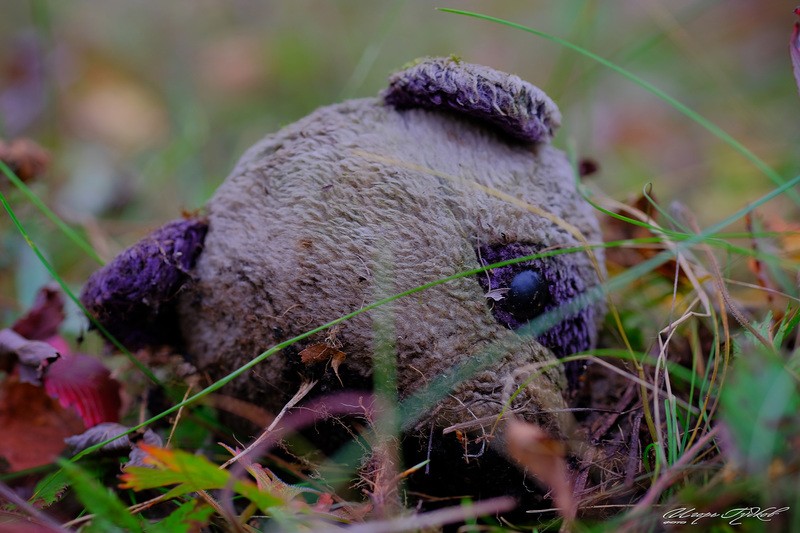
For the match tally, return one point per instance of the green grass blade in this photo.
(71, 234)
(71, 295)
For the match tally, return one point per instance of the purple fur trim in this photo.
(516, 107)
(571, 335)
(131, 296)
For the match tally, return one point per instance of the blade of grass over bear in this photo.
(649, 87)
(46, 211)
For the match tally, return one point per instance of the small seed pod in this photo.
(516, 107)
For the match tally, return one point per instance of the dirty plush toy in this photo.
(450, 169)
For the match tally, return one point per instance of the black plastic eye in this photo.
(527, 296)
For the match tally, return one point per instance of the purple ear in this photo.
(132, 296)
(516, 107)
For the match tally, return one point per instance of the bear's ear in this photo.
(133, 296)
(500, 100)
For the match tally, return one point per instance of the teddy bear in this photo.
(449, 170)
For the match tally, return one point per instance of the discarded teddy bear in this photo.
(449, 170)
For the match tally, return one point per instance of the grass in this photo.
(717, 386)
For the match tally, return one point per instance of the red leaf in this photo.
(44, 318)
(83, 383)
(794, 49)
(32, 425)
(75, 380)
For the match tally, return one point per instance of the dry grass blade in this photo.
(732, 307)
(177, 418)
(643, 383)
(301, 393)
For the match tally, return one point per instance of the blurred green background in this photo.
(145, 106)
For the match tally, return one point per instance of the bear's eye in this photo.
(527, 295)
(518, 293)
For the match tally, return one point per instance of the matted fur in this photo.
(364, 199)
(312, 216)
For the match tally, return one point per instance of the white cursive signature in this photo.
(733, 516)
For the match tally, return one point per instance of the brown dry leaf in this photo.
(540, 454)
(25, 158)
(34, 425)
(336, 362)
(316, 353)
(319, 353)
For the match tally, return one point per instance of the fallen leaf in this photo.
(76, 380)
(34, 425)
(103, 432)
(82, 382)
(320, 353)
(323, 352)
(531, 447)
(30, 358)
(336, 362)
(44, 318)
